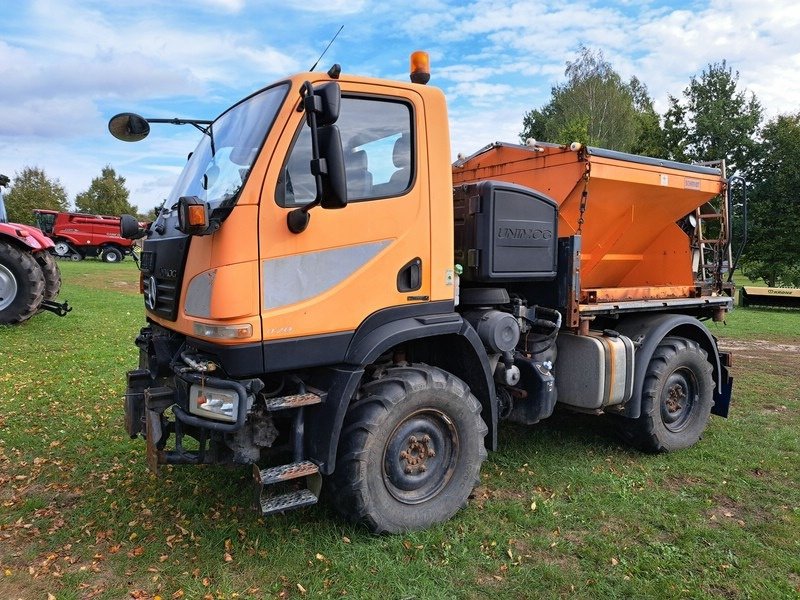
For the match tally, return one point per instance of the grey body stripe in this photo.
(291, 279)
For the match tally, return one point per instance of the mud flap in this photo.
(156, 401)
(153, 434)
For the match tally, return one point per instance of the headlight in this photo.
(214, 403)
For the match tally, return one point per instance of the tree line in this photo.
(712, 119)
(32, 188)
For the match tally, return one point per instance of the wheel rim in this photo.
(420, 456)
(111, 257)
(678, 399)
(8, 287)
(61, 248)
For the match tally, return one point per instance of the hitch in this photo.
(54, 307)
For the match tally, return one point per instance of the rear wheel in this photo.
(411, 450)
(110, 254)
(52, 274)
(676, 398)
(21, 284)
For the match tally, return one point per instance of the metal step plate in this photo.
(290, 501)
(296, 401)
(284, 472)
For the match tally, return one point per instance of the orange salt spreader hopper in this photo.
(625, 207)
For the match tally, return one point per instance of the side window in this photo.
(376, 139)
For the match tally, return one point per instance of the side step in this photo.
(296, 401)
(269, 504)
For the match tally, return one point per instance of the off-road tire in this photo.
(110, 254)
(677, 397)
(52, 274)
(22, 278)
(410, 450)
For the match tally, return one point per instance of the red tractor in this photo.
(78, 235)
(29, 276)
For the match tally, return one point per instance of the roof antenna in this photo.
(326, 48)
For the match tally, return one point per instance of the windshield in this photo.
(218, 167)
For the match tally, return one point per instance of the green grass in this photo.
(563, 510)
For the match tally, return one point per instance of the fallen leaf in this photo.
(614, 562)
(346, 539)
(299, 587)
(228, 557)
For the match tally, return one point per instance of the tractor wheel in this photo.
(676, 398)
(410, 451)
(52, 274)
(62, 249)
(21, 284)
(76, 256)
(110, 254)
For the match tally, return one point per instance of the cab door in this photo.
(371, 255)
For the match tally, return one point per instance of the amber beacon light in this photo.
(420, 67)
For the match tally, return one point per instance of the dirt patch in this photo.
(757, 348)
(481, 494)
(125, 281)
(727, 510)
(677, 483)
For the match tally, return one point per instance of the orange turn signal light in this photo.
(420, 67)
(197, 215)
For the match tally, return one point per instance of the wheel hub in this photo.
(416, 454)
(8, 287)
(678, 399)
(420, 456)
(675, 398)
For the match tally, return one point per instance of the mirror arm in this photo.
(297, 219)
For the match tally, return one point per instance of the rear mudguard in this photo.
(647, 331)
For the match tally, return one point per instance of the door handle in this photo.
(409, 278)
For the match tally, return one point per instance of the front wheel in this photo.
(410, 451)
(677, 397)
(62, 249)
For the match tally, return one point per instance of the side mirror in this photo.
(324, 104)
(130, 229)
(334, 180)
(128, 127)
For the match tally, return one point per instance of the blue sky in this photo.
(66, 66)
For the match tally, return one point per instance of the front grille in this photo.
(166, 296)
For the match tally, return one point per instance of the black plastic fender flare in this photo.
(647, 331)
(324, 422)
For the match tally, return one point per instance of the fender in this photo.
(647, 331)
(428, 332)
(26, 235)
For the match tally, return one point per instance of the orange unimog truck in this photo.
(329, 300)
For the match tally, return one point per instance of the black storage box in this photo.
(504, 232)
